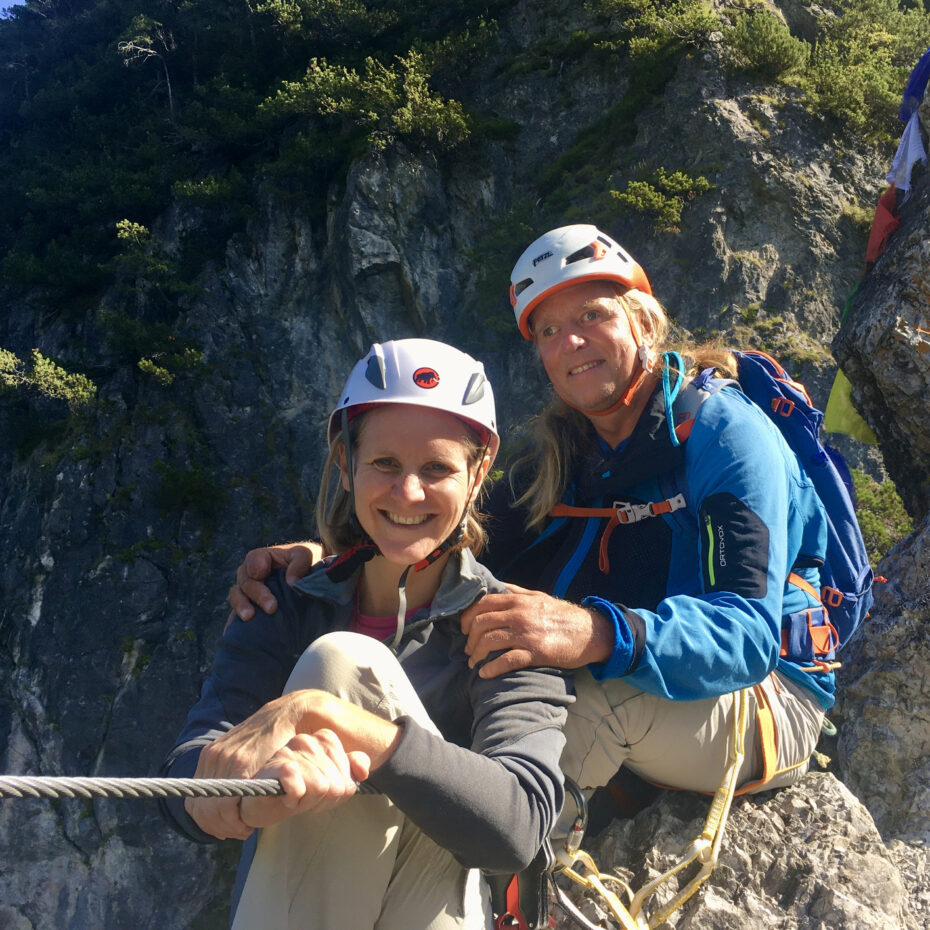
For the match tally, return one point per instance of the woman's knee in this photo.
(361, 670)
(335, 660)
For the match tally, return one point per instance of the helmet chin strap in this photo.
(434, 556)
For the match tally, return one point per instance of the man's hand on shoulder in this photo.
(534, 629)
(250, 588)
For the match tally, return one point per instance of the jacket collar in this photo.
(647, 453)
(463, 582)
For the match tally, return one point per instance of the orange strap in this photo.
(621, 512)
(566, 510)
(824, 638)
(804, 585)
(768, 739)
(828, 596)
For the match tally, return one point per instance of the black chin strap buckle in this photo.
(343, 567)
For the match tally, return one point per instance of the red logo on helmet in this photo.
(426, 377)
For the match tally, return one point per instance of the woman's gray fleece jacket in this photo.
(488, 790)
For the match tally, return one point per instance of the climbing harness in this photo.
(703, 852)
(49, 786)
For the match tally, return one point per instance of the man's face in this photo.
(584, 341)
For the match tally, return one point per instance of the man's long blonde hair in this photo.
(562, 435)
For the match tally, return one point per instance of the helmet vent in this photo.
(374, 372)
(521, 286)
(474, 390)
(580, 255)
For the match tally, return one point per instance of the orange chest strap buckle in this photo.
(625, 512)
(633, 513)
(621, 512)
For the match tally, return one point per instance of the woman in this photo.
(465, 768)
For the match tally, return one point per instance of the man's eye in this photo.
(383, 464)
(437, 469)
(547, 331)
(589, 316)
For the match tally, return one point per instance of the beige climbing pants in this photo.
(684, 744)
(363, 865)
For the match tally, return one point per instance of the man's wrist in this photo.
(618, 659)
(603, 637)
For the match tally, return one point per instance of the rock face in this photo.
(884, 745)
(120, 542)
(808, 856)
(884, 348)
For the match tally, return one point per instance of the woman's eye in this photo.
(383, 464)
(438, 469)
(590, 316)
(547, 331)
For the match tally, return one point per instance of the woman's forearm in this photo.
(357, 729)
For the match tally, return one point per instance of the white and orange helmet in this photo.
(423, 373)
(563, 257)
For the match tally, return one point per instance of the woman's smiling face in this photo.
(413, 479)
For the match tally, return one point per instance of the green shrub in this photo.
(384, 102)
(662, 197)
(861, 62)
(211, 191)
(143, 262)
(46, 379)
(152, 347)
(882, 518)
(340, 21)
(163, 366)
(654, 26)
(859, 217)
(459, 48)
(760, 44)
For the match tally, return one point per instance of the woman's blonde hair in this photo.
(336, 522)
(562, 435)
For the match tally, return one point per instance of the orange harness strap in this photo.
(825, 638)
(621, 512)
(804, 585)
(827, 596)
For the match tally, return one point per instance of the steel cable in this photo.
(48, 786)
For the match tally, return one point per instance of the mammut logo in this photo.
(540, 258)
(425, 378)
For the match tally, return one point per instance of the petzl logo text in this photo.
(425, 378)
(540, 258)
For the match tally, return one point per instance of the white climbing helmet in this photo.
(424, 373)
(563, 257)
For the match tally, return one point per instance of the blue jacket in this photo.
(696, 597)
(488, 790)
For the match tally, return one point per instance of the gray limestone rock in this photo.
(806, 857)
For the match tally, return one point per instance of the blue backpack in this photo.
(846, 592)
